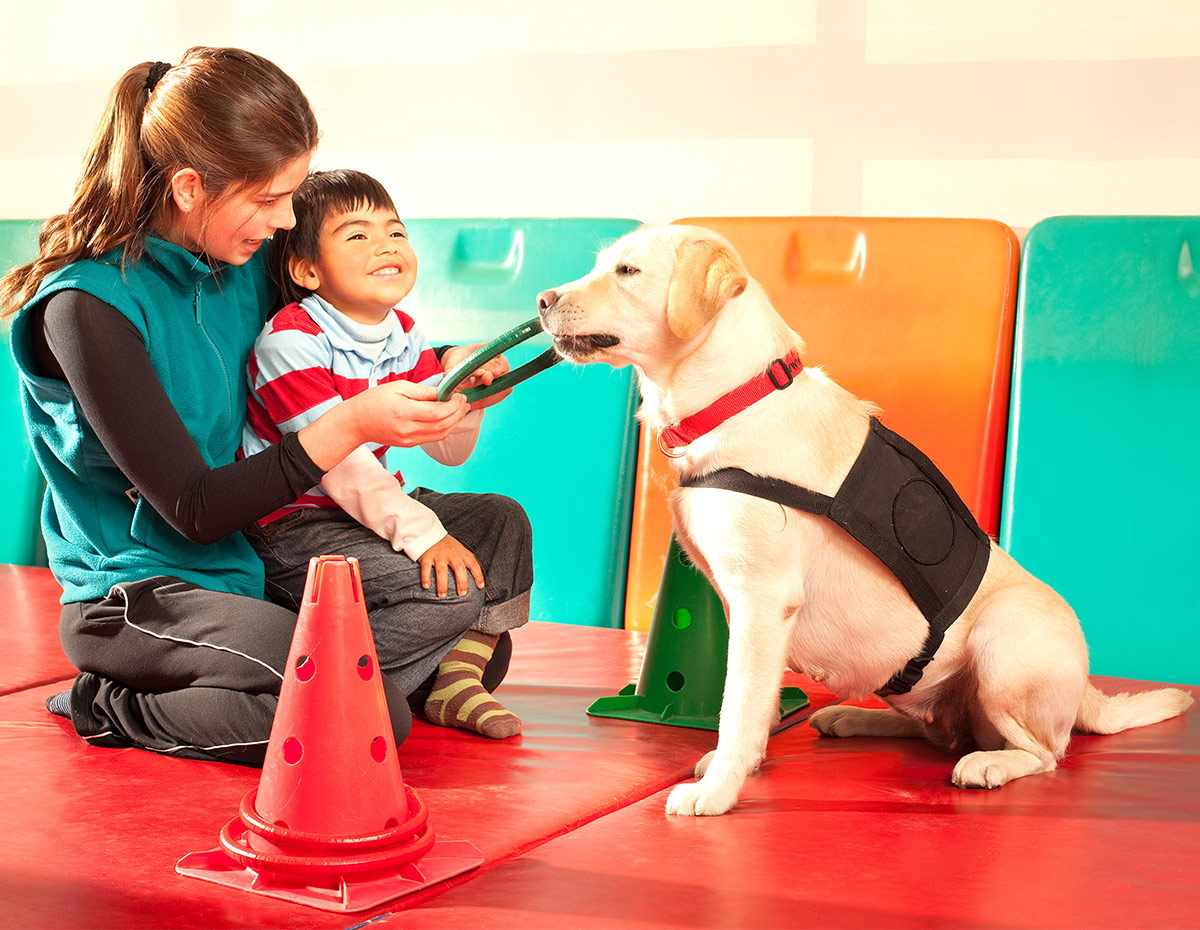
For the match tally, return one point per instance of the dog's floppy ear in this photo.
(708, 274)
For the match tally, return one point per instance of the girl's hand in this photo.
(401, 413)
(398, 413)
(445, 556)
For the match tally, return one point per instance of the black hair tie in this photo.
(157, 70)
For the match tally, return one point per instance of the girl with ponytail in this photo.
(229, 117)
(131, 330)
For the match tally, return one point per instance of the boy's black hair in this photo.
(320, 195)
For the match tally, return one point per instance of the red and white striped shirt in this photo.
(309, 357)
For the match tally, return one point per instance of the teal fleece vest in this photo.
(198, 327)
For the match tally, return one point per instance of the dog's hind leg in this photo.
(1030, 665)
(996, 767)
(865, 721)
(749, 706)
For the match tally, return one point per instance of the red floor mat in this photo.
(92, 835)
(32, 655)
(835, 833)
(869, 833)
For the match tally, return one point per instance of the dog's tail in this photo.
(1112, 713)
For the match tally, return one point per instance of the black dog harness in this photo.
(898, 504)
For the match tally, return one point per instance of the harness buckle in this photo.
(786, 372)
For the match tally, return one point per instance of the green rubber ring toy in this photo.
(489, 351)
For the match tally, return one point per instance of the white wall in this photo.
(657, 109)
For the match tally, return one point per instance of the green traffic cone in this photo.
(683, 668)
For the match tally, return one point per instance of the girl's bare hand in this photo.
(398, 413)
(401, 413)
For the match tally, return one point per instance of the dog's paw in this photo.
(833, 721)
(996, 768)
(704, 798)
(840, 720)
(978, 773)
(702, 765)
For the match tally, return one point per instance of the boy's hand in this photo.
(484, 375)
(445, 556)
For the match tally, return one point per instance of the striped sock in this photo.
(458, 697)
(60, 704)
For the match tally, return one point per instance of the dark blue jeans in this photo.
(413, 627)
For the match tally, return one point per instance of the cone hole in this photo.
(675, 681)
(293, 749)
(683, 559)
(391, 823)
(379, 749)
(364, 668)
(305, 668)
(681, 619)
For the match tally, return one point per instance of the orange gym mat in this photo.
(914, 315)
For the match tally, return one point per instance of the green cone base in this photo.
(628, 705)
(683, 668)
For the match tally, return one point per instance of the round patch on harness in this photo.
(922, 522)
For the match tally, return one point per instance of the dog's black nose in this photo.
(547, 299)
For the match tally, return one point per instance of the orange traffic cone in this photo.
(331, 823)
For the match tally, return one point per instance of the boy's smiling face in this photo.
(366, 264)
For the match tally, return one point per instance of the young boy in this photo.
(344, 267)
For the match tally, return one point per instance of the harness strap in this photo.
(772, 489)
(900, 507)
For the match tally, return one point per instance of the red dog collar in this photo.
(780, 374)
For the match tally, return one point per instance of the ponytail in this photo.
(231, 115)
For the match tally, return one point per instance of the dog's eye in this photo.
(626, 271)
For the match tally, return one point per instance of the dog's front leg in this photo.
(749, 706)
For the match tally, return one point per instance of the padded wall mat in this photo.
(564, 443)
(914, 315)
(1100, 496)
(20, 541)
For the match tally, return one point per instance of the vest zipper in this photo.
(199, 316)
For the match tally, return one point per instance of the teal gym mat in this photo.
(20, 538)
(564, 443)
(1101, 497)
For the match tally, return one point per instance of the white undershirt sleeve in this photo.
(458, 446)
(365, 489)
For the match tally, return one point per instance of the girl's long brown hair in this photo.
(231, 115)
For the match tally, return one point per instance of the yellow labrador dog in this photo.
(836, 548)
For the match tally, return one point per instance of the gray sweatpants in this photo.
(171, 667)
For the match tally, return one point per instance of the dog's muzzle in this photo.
(579, 346)
(571, 346)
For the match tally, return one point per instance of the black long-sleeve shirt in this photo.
(100, 354)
